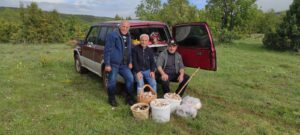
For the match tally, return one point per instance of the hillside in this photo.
(13, 14)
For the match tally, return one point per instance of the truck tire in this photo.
(78, 66)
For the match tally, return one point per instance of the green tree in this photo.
(32, 25)
(128, 18)
(55, 32)
(33, 21)
(148, 10)
(10, 14)
(287, 33)
(231, 13)
(171, 12)
(9, 24)
(75, 28)
(179, 11)
(234, 16)
(117, 17)
(7, 30)
(264, 26)
(40, 27)
(70, 24)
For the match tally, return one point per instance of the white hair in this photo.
(144, 35)
(123, 22)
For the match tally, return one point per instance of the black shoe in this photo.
(130, 102)
(113, 103)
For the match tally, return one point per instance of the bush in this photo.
(275, 41)
(7, 30)
(287, 34)
(227, 36)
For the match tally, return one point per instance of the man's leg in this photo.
(165, 85)
(126, 73)
(185, 79)
(139, 83)
(151, 81)
(111, 86)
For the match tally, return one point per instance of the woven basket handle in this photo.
(147, 85)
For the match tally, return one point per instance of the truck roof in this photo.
(133, 23)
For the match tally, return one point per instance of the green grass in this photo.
(254, 91)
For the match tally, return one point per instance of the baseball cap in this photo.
(173, 43)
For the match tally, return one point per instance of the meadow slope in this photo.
(254, 91)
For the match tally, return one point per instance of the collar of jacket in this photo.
(166, 53)
(141, 47)
(120, 36)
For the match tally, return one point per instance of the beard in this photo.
(144, 45)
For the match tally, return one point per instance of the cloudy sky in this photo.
(125, 8)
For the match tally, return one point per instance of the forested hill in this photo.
(13, 14)
(33, 25)
(10, 14)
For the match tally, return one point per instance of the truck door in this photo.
(89, 47)
(195, 44)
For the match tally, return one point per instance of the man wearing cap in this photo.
(170, 67)
(118, 60)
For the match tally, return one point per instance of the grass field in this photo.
(254, 91)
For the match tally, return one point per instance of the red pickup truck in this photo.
(195, 44)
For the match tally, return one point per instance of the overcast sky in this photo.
(125, 8)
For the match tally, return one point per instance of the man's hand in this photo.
(180, 78)
(165, 77)
(130, 66)
(152, 75)
(107, 68)
(139, 75)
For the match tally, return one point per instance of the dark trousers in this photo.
(173, 78)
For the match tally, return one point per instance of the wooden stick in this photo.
(189, 80)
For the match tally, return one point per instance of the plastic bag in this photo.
(186, 111)
(192, 102)
(188, 107)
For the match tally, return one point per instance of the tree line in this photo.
(32, 25)
(287, 35)
(230, 19)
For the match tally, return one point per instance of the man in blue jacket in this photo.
(117, 60)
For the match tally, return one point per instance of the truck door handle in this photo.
(199, 53)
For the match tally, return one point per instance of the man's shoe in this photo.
(130, 102)
(113, 103)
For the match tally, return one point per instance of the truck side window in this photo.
(92, 36)
(109, 30)
(102, 35)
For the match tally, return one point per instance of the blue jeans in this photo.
(126, 73)
(147, 77)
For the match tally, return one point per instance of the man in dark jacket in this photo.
(170, 67)
(144, 64)
(117, 60)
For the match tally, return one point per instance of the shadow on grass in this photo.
(93, 84)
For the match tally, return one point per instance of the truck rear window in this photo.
(157, 35)
(192, 36)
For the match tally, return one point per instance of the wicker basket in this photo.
(144, 97)
(140, 114)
